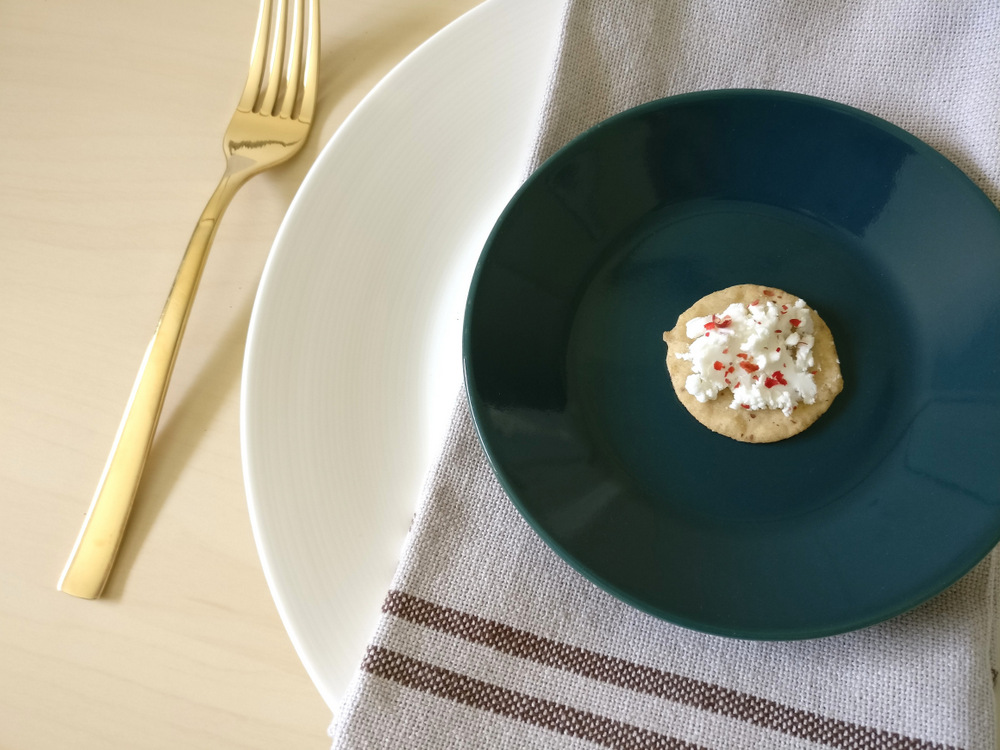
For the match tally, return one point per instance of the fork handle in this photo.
(94, 553)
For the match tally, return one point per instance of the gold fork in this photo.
(270, 125)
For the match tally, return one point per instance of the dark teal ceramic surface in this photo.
(889, 498)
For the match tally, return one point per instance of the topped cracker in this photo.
(753, 363)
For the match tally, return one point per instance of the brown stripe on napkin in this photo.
(444, 683)
(699, 694)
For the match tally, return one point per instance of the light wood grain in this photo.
(186, 649)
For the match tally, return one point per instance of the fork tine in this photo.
(252, 88)
(277, 55)
(294, 58)
(312, 65)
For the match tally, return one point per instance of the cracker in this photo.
(760, 425)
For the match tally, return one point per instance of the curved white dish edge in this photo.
(353, 357)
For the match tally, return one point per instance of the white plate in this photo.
(353, 360)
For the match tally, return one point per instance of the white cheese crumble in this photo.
(761, 352)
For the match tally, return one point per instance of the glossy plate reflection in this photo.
(889, 498)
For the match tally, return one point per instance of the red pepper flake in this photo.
(813, 372)
(784, 308)
(726, 350)
(730, 370)
(779, 377)
(770, 382)
(718, 365)
(710, 325)
(777, 349)
(741, 355)
(755, 302)
(768, 292)
(777, 330)
(795, 322)
(725, 323)
(738, 384)
(745, 406)
(727, 382)
(749, 366)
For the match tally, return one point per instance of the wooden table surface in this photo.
(112, 123)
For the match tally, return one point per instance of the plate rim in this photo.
(302, 628)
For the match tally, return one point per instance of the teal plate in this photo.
(889, 498)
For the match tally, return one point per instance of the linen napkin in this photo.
(487, 639)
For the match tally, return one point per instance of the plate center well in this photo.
(621, 394)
